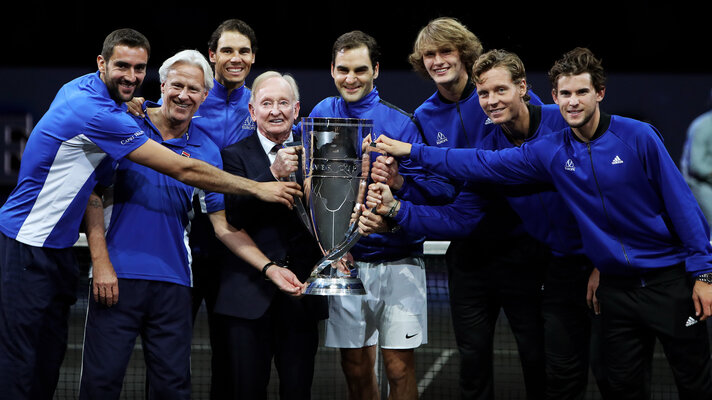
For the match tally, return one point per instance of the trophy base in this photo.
(334, 286)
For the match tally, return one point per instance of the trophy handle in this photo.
(301, 211)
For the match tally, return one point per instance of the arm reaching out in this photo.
(242, 245)
(203, 175)
(393, 147)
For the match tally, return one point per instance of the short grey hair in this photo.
(274, 74)
(191, 57)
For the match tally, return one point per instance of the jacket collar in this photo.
(357, 108)
(603, 123)
(220, 91)
(466, 93)
(179, 142)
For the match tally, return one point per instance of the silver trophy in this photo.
(336, 180)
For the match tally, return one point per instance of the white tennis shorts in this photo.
(393, 312)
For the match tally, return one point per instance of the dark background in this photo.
(630, 36)
(657, 57)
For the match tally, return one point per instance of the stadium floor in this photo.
(437, 362)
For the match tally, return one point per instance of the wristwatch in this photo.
(706, 278)
(392, 212)
(266, 267)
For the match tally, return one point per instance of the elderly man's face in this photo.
(183, 92)
(274, 109)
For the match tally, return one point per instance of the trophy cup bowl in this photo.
(336, 170)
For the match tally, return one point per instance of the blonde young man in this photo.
(499, 266)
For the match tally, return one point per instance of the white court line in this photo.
(430, 247)
(434, 370)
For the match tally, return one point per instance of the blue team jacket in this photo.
(226, 119)
(633, 207)
(463, 124)
(543, 212)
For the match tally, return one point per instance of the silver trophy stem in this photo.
(335, 285)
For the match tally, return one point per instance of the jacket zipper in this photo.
(227, 116)
(603, 203)
(462, 123)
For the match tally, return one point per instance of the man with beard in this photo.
(87, 124)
